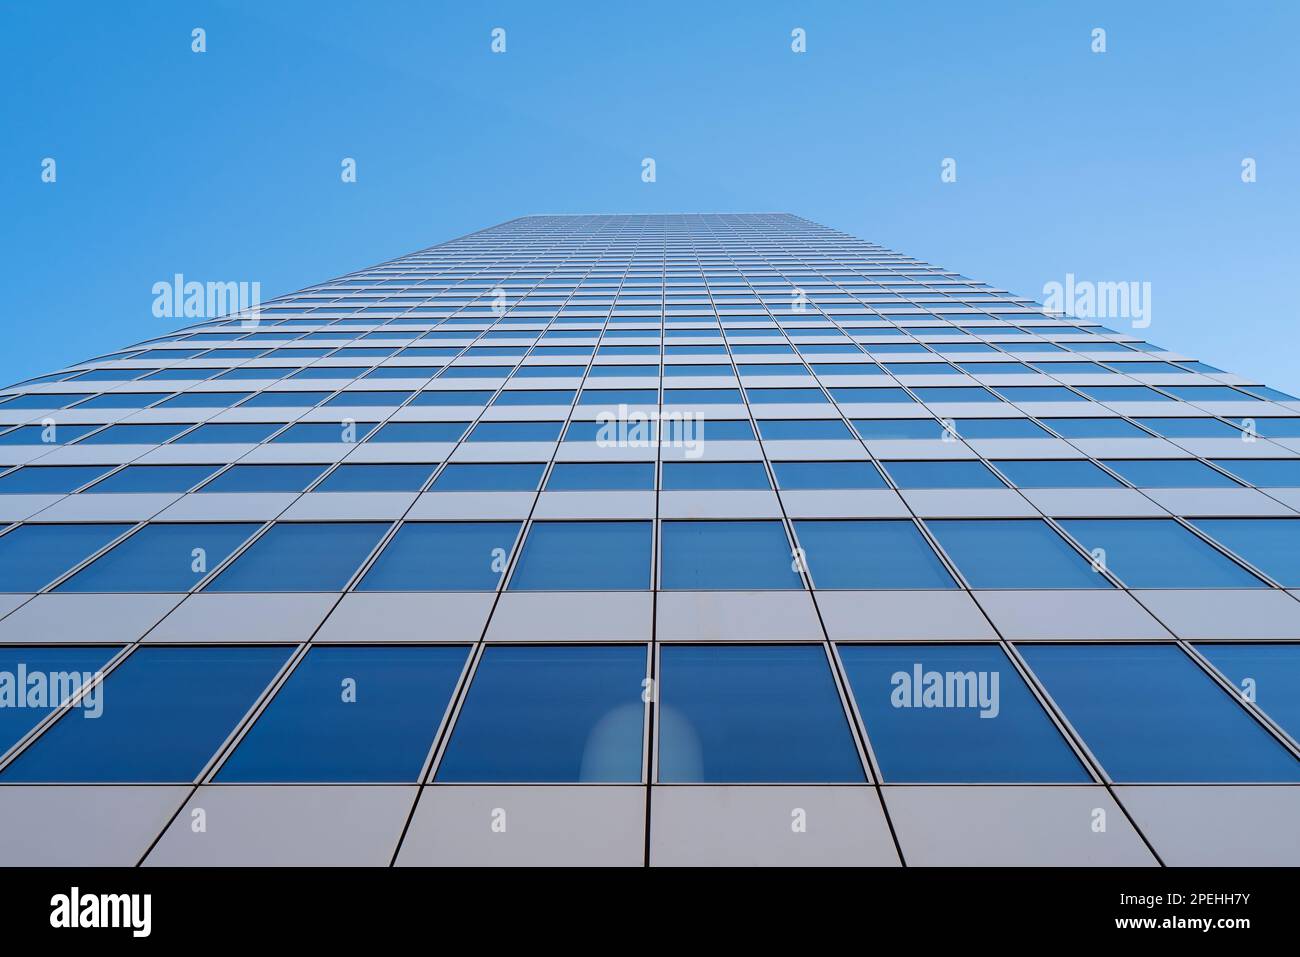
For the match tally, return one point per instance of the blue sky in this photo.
(224, 166)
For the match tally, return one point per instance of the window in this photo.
(697, 397)
(869, 554)
(766, 714)
(44, 435)
(811, 429)
(534, 397)
(203, 400)
(1150, 714)
(1276, 427)
(265, 478)
(1190, 428)
(999, 429)
(954, 394)
(355, 398)
(443, 556)
(43, 400)
(1021, 553)
(1038, 393)
(167, 710)
(446, 397)
(49, 479)
(954, 714)
(1158, 553)
(516, 432)
(727, 555)
(154, 478)
(942, 473)
(347, 432)
(1095, 428)
(63, 671)
(1123, 393)
(1270, 672)
(284, 399)
(364, 714)
(1169, 473)
(123, 400)
(714, 475)
(827, 475)
(301, 556)
(1213, 393)
(127, 434)
(551, 714)
(613, 398)
(421, 432)
(868, 395)
(788, 396)
(1066, 473)
(329, 372)
(584, 556)
(490, 477)
(385, 477)
(1267, 543)
(1265, 473)
(600, 476)
(898, 428)
(162, 557)
(235, 433)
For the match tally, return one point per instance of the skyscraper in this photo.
(694, 539)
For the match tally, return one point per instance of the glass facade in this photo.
(708, 524)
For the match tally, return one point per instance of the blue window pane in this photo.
(549, 372)
(1279, 427)
(1150, 714)
(37, 679)
(799, 396)
(1264, 392)
(870, 395)
(285, 399)
(1169, 473)
(898, 428)
(821, 475)
(1208, 393)
(452, 397)
(239, 433)
(613, 398)
(265, 478)
(584, 556)
(421, 432)
(555, 714)
(1269, 674)
(203, 400)
(920, 368)
(1158, 553)
(351, 714)
(720, 430)
(1095, 428)
(516, 432)
(714, 475)
(752, 714)
(154, 478)
(870, 554)
(443, 556)
(166, 711)
(128, 434)
(675, 371)
(698, 397)
(954, 714)
(1270, 544)
(162, 558)
(947, 473)
(43, 400)
(1265, 473)
(727, 555)
(1123, 393)
(329, 372)
(42, 435)
(49, 479)
(302, 556)
(360, 397)
(1039, 393)
(600, 476)
(954, 394)
(1194, 428)
(535, 397)
(122, 400)
(802, 429)
(31, 556)
(998, 429)
(347, 432)
(992, 553)
(386, 477)
(490, 477)
(1068, 473)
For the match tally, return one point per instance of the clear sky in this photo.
(1123, 166)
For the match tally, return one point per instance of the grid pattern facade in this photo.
(698, 539)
